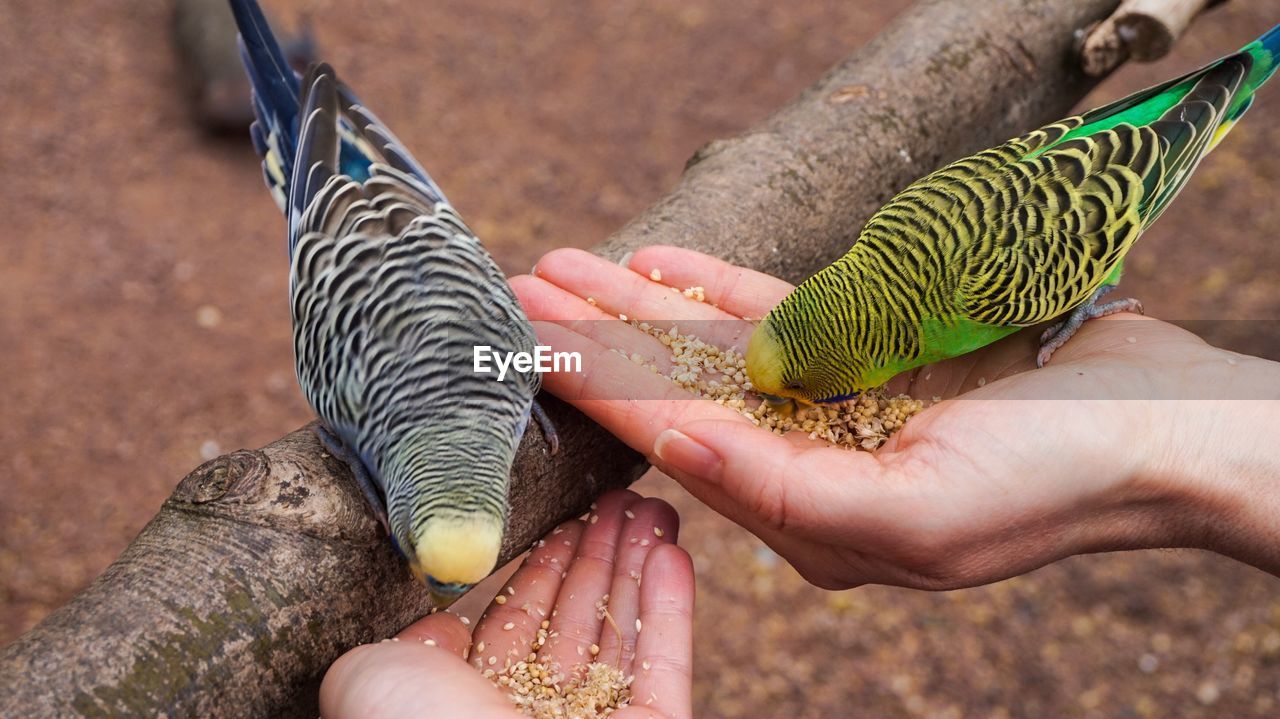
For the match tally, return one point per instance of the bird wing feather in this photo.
(390, 289)
(1058, 221)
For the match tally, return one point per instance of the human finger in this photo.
(575, 622)
(443, 629)
(650, 522)
(543, 301)
(630, 401)
(663, 667)
(619, 291)
(737, 290)
(506, 632)
(774, 484)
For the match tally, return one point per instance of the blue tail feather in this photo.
(1270, 41)
(283, 135)
(1265, 52)
(275, 85)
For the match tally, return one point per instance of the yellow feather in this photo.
(764, 361)
(1220, 133)
(457, 549)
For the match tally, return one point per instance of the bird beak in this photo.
(782, 406)
(441, 601)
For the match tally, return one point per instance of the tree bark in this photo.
(264, 565)
(1143, 30)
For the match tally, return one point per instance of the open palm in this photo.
(555, 607)
(1013, 469)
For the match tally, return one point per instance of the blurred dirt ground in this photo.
(143, 322)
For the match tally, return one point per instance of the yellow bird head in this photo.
(771, 374)
(809, 358)
(452, 552)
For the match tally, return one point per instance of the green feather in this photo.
(1009, 237)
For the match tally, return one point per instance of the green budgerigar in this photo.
(1023, 233)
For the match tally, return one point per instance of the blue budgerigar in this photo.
(390, 294)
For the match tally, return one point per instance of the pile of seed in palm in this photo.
(864, 422)
(542, 691)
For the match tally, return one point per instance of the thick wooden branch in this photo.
(264, 565)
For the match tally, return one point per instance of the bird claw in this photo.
(372, 494)
(1058, 334)
(548, 427)
(1050, 332)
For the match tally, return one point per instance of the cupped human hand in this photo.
(434, 667)
(1136, 434)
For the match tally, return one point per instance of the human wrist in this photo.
(1217, 461)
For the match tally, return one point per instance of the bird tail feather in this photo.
(275, 96)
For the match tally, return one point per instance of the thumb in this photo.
(788, 485)
(442, 629)
(419, 673)
(737, 468)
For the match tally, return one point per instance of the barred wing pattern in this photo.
(390, 294)
(1011, 236)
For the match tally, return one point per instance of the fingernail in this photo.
(682, 453)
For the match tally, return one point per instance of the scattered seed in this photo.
(655, 274)
(657, 531)
(696, 293)
(720, 375)
(500, 599)
(508, 626)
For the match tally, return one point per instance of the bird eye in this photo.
(794, 385)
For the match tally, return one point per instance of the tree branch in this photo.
(264, 565)
(1143, 30)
